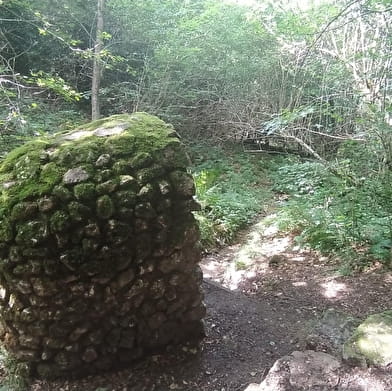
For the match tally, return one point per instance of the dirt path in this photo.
(261, 294)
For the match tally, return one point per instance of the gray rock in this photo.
(104, 132)
(107, 187)
(127, 339)
(125, 278)
(29, 341)
(75, 175)
(77, 333)
(103, 160)
(145, 211)
(26, 355)
(128, 182)
(28, 315)
(156, 320)
(90, 355)
(43, 288)
(23, 287)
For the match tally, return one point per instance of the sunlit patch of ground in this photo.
(266, 262)
(259, 250)
(333, 289)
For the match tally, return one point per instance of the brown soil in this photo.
(261, 294)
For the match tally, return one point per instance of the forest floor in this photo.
(262, 293)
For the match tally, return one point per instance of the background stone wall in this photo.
(98, 245)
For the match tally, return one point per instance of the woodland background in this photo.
(310, 81)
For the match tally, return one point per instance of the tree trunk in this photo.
(97, 69)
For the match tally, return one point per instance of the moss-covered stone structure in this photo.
(98, 246)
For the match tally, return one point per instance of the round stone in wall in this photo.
(98, 247)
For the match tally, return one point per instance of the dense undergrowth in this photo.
(232, 188)
(341, 209)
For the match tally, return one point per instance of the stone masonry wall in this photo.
(98, 247)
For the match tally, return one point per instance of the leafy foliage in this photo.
(231, 188)
(17, 377)
(338, 210)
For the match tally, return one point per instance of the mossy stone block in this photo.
(59, 221)
(105, 207)
(32, 233)
(85, 191)
(371, 342)
(141, 159)
(23, 211)
(107, 187)
(62, 193)
(85, 215)
(78, 211)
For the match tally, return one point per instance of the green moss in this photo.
(126, 198)
(149, 174)
(78, 211)
(145, 133)
(26, 190)
(62, 193)
(32, 233)
(108, 122)
(51, 174)
(107, 187)
(173, 155)
(122, 167)
(141, 159)
(23, 211)
(372, 340)
(121, 145)
(183, 183)
(27, 167)
(6, 232)
(103, 175)
(128, 182)
(36, 169)
(33, 148)
(60, 221)
(105, 207)
(147, 192)
(85, 191)
(75, 152)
